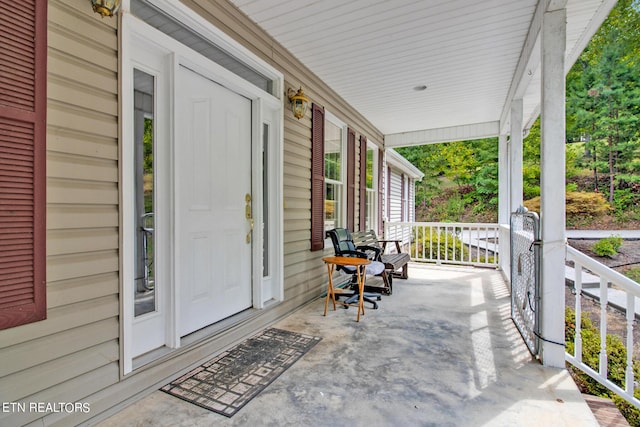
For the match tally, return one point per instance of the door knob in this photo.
(250, 231)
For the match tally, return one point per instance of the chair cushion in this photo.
(374, 268)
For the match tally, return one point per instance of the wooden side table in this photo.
(361, 266)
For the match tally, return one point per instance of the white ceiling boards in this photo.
(473, 56)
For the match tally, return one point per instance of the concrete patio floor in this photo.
(440, 351)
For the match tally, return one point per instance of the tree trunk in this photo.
(611, 169)
(595, 171)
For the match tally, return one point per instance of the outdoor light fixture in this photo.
(105, 7)
(299, 103)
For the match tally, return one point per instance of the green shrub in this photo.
(624, 216)
(442, 245)
(531, 191)
(489, 260)
(579, 204)
(630, 412)
(455, 207)
(616, 363)
(608, 246)
(625, 198)
(633, 274)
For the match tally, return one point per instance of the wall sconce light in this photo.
(299, 103)
(105, 7)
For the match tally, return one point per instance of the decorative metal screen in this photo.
(525, 278)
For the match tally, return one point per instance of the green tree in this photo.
(485, 177)
(531, 162)
(428, 160)
(459, 161)
(603, 99)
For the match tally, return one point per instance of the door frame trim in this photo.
(263, 105)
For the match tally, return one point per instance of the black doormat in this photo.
(228, 382)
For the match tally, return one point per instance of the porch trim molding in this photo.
(395, 160)
(446, 134)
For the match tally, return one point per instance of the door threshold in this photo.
(151, 356)
(219, 327)
(188, 342)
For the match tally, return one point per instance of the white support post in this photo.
(504, 259)
(515, 155)
(552, 187)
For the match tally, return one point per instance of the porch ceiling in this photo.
(473, 56)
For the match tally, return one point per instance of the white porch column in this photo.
(515, 155)
(552, 185)
(503, 205)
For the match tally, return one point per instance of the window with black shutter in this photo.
(23, 57)
(317, 177)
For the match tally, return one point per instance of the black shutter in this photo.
(388, 192)
(363, 183)
(317, 177)
(23, 97)
(351, 179)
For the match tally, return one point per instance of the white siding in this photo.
(395, 197)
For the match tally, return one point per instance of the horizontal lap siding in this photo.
(395, 197)
(74, 352)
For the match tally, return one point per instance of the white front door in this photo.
(213, 190)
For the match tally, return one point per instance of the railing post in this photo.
(631, 314)
(578, 312)
(604, 301)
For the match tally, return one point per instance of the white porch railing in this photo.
(447, 243)
(614, 289)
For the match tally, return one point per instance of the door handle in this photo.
(248, 216)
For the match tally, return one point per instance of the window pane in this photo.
(265, 200)
(371, 210)
(333, 152)
(145, 295)
(370, 168)
(333, 175)
(332, 205)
